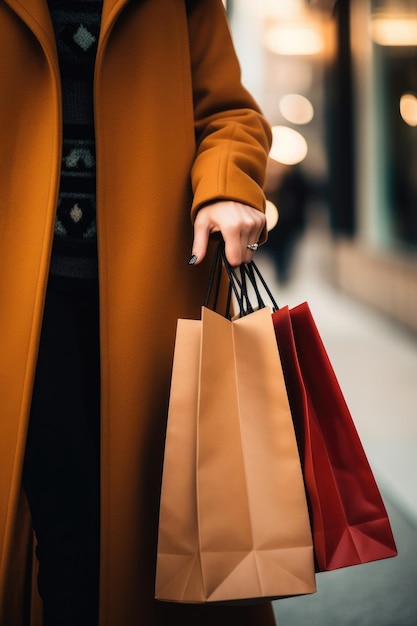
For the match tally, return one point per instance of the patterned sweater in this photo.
(76, 24)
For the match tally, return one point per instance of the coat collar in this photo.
(35, 14)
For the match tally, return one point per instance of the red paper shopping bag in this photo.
(350, 524)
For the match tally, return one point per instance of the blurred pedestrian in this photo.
(290, 195)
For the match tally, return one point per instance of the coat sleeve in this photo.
(232, 136)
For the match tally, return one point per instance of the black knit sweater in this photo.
(76, 24)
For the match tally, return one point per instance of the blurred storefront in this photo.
(377, 260)
(337, 79)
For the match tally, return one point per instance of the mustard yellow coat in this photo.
(168, 102)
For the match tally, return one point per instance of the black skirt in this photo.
(61, 474)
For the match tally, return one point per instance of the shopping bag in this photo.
(350, 524)
(234, 523)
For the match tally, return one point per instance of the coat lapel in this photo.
(35, 14)
(111, 10)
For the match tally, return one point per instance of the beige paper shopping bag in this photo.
(234, 523)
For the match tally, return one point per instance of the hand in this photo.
(239, 225)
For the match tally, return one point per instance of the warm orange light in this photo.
(283, 8)
(271, 214)
(288, 145)
(408, 109)
(296, 109)
(394, 29)
(296, 38)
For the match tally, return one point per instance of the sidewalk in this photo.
(376, 364)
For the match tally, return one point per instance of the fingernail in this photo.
(193, 259)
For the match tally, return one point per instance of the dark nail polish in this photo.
(193, 260)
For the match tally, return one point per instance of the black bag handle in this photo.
(213, 287)
(238, 284)
(254, 274)
(235, 287)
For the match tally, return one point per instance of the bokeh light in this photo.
(288, 145)
(296, 109)
(408, 109)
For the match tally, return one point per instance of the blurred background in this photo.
(337, 80)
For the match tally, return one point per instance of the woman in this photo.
(88, 315)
